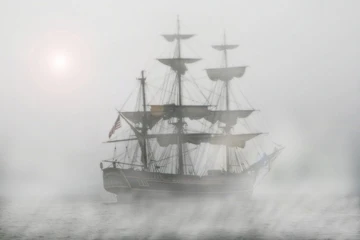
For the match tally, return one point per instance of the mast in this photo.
(180, 122)
(227, 129)
(226, 74)
(144, 120)
(225, 51)
(178, 65)
(226, 82)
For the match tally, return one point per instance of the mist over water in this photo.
(283, 217)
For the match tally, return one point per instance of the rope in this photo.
(174, 94)
(127, 99)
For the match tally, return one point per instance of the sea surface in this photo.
(296, 217)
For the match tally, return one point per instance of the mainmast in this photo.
(180, 121)
(144, 121)
(178, 65)
(227, 129)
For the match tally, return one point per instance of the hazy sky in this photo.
(303, 75)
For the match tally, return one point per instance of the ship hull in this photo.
(151, 185)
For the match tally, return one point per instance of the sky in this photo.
(303, 75)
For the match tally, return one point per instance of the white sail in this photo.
(172, 37)
(168, 111)
(137, 117)
(225, 74)
(225, 47)
(178, 64)
(196, 112)
(237, 140)
(229, 117)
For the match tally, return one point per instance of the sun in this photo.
(59, 62)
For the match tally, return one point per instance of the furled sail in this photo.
(168, 111)
(140, 137)
(196, 112)
(178, 64)
(137, 117)
(172, 37)
(229, 117)
(237, 140)
(225, 74)
(224, 47)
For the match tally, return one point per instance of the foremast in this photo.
(144, 122)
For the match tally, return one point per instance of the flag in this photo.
(117, 125)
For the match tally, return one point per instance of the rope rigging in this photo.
(168, 93)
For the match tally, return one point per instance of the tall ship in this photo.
(173, 147)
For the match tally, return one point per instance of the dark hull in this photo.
(125, 182)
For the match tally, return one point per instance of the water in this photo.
(301, 217)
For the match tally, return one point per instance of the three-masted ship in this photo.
(175, 148)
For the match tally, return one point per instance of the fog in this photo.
(303, 76)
